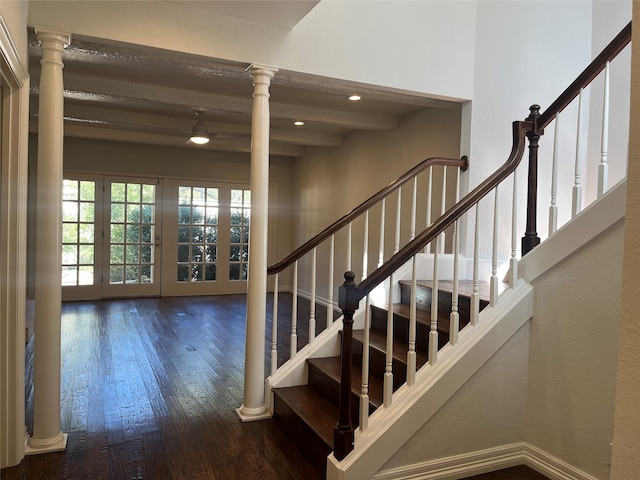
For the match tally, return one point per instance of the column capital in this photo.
(53, 35)
(257, 69)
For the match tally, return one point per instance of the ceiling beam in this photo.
(127, 136)
(78, 113)
(106, 90)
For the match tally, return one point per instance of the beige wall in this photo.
(625, 462)
(488, 411)
(572, 358)
(329, 182)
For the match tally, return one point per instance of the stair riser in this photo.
(329, 389)
(424, 295)
(377, 364)
(312, 447)
(401, 329)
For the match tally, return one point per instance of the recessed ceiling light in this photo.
(298, 123)
(355, 98)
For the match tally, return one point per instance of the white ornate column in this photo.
(47, 436)
(254, 407)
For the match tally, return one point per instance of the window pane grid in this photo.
(132, 233)
(239, 234)
(78, 232)
(198, 210)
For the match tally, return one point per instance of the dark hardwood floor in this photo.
(149, 390)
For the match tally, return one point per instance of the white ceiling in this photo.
(284, 13)
(132, 93)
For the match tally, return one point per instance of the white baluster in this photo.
(294, 313)
(365, 249)
(513, 262)
(364, 395)
(349, 247)
(414, 206)
(388, 370)
(433, 333)
(312, 306)
(494, 255)
(429, 192)
(330, 287)
(553, 209)
(475, 295)
(454, 317)
(576, 205)
(603, 169)
(381, 252)
(411, 354)
(274, 329)
(443, 203)
(396, 246)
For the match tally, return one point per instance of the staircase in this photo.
(413, 372)
(308, 413)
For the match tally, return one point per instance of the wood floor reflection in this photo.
(149, 389)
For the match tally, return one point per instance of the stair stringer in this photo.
(390, 428)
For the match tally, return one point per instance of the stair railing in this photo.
(321, 249)
(351, 293)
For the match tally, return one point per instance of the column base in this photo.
(251, 414)
(36, 446)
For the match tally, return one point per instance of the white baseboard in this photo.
(459, 466)
(484, 461)
(552, 467)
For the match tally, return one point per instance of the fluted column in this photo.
(47, 436)
(253, 406)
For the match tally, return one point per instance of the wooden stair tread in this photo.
(317, 412)
(378, 340)
(465, 287)
(422, 316)
(331, 367)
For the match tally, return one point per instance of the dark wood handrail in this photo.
(589, 73)
(298, 253)
(520, 128)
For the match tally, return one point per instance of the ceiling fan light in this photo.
(199, 134)
(199, 137)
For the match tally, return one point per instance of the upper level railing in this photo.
(350, 294)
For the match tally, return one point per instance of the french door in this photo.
(207, 228)
(131, 238)
(126, 237)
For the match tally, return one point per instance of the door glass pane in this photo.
(78, 232)
(239, 234)
(132, 233)
(198, 206)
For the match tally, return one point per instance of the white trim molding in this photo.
(13, 201)
(10, 55)
(484, 461)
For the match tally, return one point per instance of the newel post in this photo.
(348, 301)
(531, 238)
